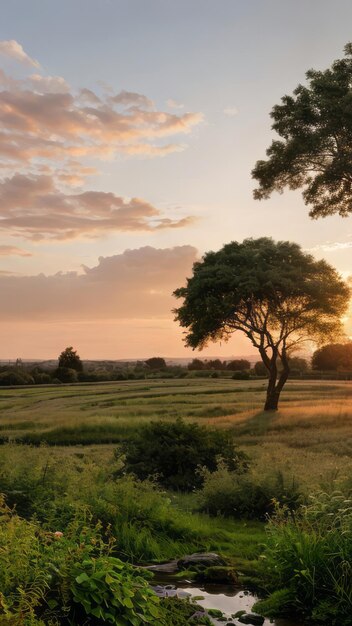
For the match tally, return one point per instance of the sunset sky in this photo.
(128, 132)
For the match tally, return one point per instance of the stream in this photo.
(226, 598)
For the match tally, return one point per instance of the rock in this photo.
(170, 591)
(168, 568)
(202, 559)
(251, 618)
(198, 615)
(218, 574)
(165, 591)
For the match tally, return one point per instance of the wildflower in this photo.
(58, 534)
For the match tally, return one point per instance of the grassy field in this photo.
(309, 438)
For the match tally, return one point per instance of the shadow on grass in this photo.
(257, 425)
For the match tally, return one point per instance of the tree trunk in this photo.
(272, 400)
(276, 386)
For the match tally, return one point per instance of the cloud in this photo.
(331, 246)
(231, 111)
(13, 251)
(49, 84)
(12, 49)
(53, 133)
(41, 118)
(34, 208)
(136, 284)
(174, 105)
(132, 99)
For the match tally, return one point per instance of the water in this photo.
(228, 599)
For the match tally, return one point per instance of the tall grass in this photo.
(149, 524)
(308, 561)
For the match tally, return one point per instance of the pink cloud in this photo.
(51, 132)
(13, 251)
(41, 118)
(34, 208)
(136, 284)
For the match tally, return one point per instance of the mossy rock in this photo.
(200, 560)
(218, 574)
(216, 613)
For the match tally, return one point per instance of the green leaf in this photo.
(81, 578)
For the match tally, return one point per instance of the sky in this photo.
(128, 132)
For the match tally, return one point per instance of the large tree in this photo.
(315, 152)
(274, 293)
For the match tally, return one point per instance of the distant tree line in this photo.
(330, 360)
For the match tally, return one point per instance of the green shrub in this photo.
(42, 378)
(66, 375)
(241, 375)
(244, 496)
(173, 452)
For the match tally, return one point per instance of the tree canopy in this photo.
(315, 152)
(333, 357)
(156, 363)
(70, 359)
(274, 293)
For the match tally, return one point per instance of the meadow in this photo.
(309, 438)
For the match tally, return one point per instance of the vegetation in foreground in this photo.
(80, 530)
(49, 578)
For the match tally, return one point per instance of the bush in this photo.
(66, 375)
(173, 452)
(232, 495)
(240, 375)
(260, 369)
(42, 378)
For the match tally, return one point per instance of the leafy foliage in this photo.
(173, 452)
(114, 592)
(315, 151)
(67, 577)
